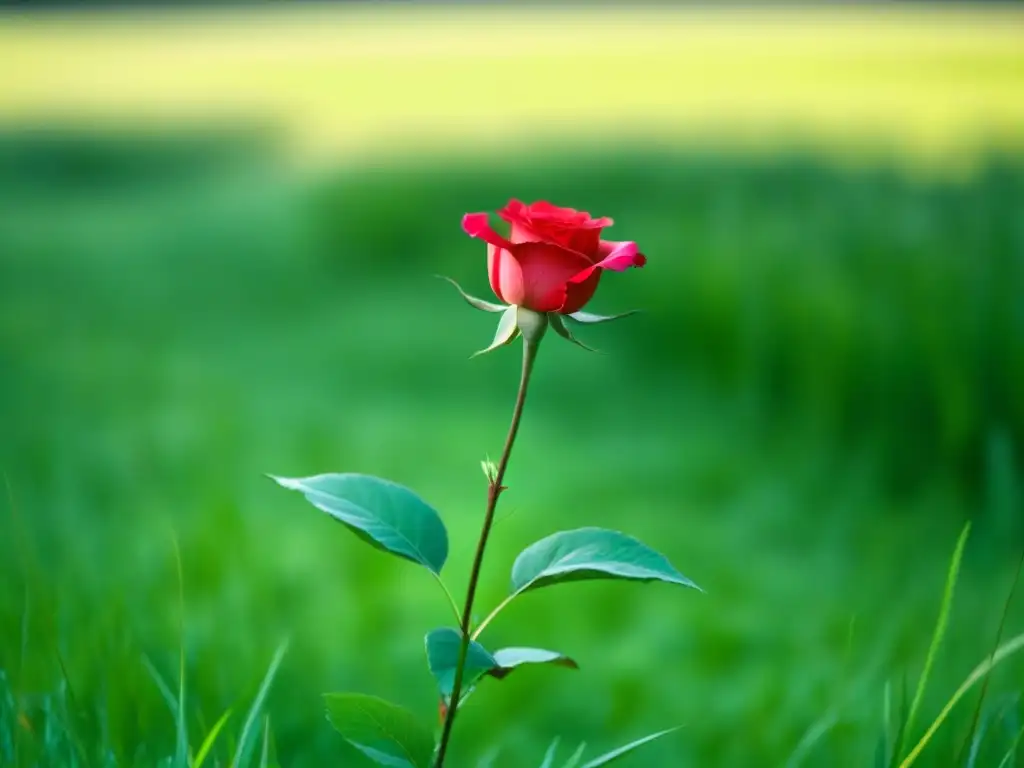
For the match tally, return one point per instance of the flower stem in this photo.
(530, 344)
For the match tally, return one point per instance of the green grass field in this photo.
(826, 382)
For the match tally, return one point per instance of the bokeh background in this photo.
(219, 228)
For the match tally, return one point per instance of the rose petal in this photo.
(542, 210)
(521, 232)
(541, 279)
(504, 274)
(586, 240)
(545, 223)
(550, 223)
(577, 294)
(478, 225)
(544, 207)
(619, 256)
(515, 208)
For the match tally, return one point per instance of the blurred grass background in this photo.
(218, 232)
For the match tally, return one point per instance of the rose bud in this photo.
(553, 257)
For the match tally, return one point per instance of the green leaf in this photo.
(506, 333)
(387, 516)
(589, 319)
(384, 732)
(473, 301)
(443, 657)
(510, 658)
(610, 757)
(591, 553)
(560, 328)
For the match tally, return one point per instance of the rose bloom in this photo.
(553, 257)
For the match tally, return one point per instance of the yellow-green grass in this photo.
(923, 82)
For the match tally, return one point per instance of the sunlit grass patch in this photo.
(933, 83)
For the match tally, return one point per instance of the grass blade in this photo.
(1011, 753)
(1008, 648)
(549, 756)
(265, 755)
(490, 756)
(979, 729)
(211, 737)
(884, 740)
(70, 717)
(609, 757)
(901, 721)
(180, 725)
(161, 684)
(268, 678)
(984, 686)
(574, 760)
(940, 631)
(814, 734)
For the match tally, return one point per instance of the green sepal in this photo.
(473, 301)
(559, 325)
(588, 318)
(506, 333)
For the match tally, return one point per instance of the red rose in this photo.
(553, 257)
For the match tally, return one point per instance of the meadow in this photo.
(825, 383)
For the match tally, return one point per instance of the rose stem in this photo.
(533, 329)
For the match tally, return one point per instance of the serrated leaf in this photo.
(589, 318)
(510, 658)
(560, 328)
(591, 553)
(386, 515)
(443, 657)
(473, 301)
(506, 332)
(610, 757)
(386, 733)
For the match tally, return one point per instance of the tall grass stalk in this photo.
(940, 631)
(1006, 650)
